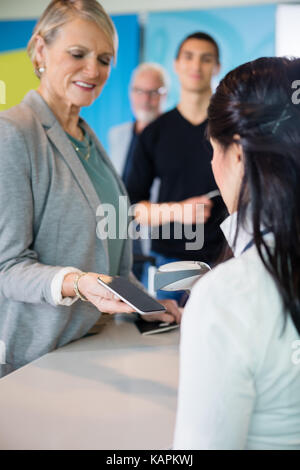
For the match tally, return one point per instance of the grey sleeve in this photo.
(22, 277)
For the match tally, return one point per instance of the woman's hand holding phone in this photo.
(104, 300)
(99, 296)
(108, 302)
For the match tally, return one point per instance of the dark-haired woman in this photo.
(240, 350)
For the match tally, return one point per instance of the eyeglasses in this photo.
(151, 93)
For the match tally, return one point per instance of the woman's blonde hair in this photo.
(59, 12)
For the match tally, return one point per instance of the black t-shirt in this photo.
(177, 152)
(129, 156)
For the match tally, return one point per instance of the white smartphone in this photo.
(132, 295)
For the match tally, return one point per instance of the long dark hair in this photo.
(259, 102)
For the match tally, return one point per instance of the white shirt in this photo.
(239, 384)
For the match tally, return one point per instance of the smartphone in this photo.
(154, 327)
(132, 295)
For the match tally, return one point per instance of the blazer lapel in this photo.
(67, 152)
(60, 140)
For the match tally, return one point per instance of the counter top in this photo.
(116, 389)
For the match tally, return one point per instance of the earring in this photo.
(41, 70)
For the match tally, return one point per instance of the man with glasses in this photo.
(174, 148)
(148, 90)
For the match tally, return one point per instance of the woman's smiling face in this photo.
(77, 63)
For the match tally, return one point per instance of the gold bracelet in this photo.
(76, 290)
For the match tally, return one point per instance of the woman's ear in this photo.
(237, 149)
(40, 49)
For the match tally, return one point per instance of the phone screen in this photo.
(131, 294)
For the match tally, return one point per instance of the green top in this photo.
(108, 191)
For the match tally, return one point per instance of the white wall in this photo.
(288, 31)
(10, 9)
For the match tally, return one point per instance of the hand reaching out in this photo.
(107, 302)
(173, 312)
(192, 210)
(104, 300)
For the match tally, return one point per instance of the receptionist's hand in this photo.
(173, 312)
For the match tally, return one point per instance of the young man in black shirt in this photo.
(175, 149)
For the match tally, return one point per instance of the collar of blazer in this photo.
(60, 140)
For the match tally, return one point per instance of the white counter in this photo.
(113, 390)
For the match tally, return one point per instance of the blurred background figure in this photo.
(148, 91)
(174, 148)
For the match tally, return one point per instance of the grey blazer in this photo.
(48, 221)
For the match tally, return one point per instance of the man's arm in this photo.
(189, 211)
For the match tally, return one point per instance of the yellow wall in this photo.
(16, 73)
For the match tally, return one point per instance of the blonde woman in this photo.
(54, 176)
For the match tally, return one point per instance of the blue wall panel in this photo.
(243, 34)
(112, 107)
(15, 35)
